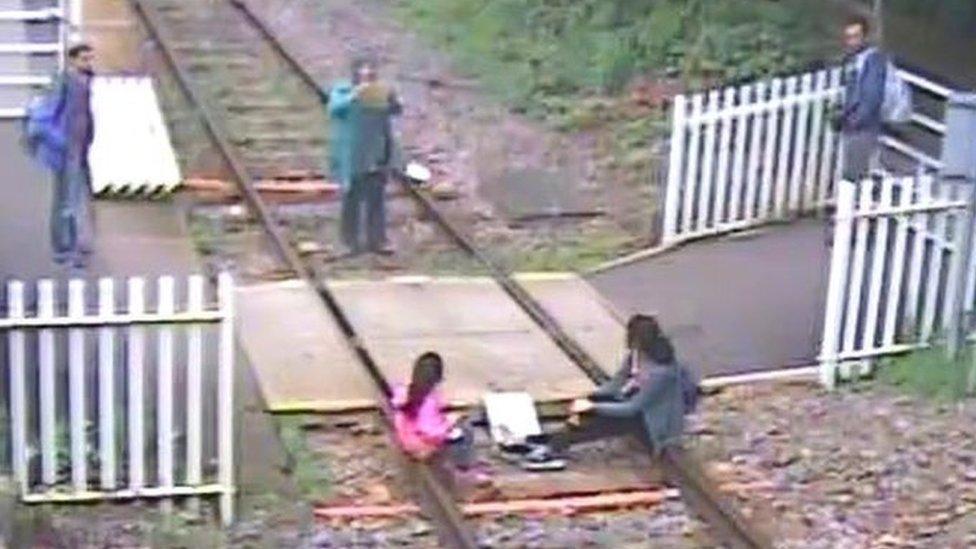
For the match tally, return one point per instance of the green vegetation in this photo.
(533, 52)
(929, 373)
(309, 470)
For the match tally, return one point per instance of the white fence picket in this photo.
(225, 397)
(48, 384)
(936, 252)
(876, 284)
(829, 161)
(756, 139)
(691, 184)
(164, 387)
(136, 381)
(739, 162)
(921, 222)
(18, 389)
(837, 285)
(675, 163)
(707, 181)
(800, 140)
(769, 155)
(812, 195)
(724, 146)
(106, 384)
(783, 151)
(194, 389)
(898, 261)
(853, 306)
(76, 388)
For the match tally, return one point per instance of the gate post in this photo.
(837, 286)
(959, 160)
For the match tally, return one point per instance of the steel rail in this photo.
(699, 492)
(436, 499)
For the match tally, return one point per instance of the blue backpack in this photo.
(45, 128)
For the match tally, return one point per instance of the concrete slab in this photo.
(485, 339)
(582, 312)
(300, 358)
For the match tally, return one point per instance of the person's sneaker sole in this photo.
(549, 465)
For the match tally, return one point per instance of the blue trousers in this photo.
(72, 223)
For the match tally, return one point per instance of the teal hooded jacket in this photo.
(362, 139)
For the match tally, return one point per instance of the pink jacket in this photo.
(427, 430)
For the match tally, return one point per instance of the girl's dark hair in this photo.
(661, 350)
(642, 330)
(428, 371)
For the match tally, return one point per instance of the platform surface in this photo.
(486, 340)
(488, 343)
(300, 358)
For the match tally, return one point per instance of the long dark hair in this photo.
(645, 336)
(641, 332)
(428, 371)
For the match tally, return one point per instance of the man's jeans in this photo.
(367, 191)
(72, 223)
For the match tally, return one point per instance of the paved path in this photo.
(734, 304)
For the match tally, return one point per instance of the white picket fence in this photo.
(765, 151)
(894, 270)
(110, 402)
(749, 154)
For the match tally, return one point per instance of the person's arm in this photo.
(870, 93)
(612, 386)
(341, 97)
(656, 385)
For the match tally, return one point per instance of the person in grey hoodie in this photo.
(860, 120)
(647, 399)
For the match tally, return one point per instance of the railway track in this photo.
(247, 163)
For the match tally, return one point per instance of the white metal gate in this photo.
(111, 402)
(894, 270)
(18, 50)
(750, 154)
(765, 151)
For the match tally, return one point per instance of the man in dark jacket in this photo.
(647, 398)
(860, 121)
(72, 221)
(362, 154)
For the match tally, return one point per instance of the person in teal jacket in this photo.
(362, 154)
(647, 399)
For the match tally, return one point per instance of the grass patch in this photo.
(929, 373)
(310, 471)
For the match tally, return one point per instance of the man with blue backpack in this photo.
(874, 94)
(59, 131)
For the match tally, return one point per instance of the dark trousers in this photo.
(365, 191)
(593, 428)
(861, 150)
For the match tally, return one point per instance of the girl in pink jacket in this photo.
(423, 426)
